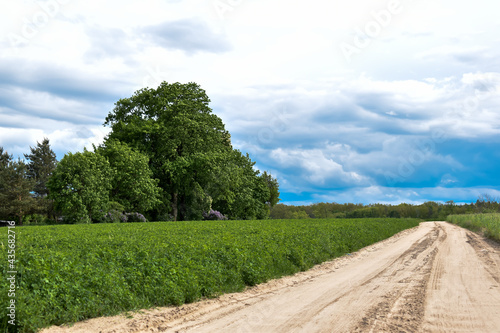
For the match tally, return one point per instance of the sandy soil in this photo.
(433, 278)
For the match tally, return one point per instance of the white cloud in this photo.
(316, 168)
(395, 196)
(276, 76)
(189, 35)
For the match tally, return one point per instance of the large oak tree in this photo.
(189, 151)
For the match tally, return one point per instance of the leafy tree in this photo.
(174, 126)
(300, 215)
(132, 186)
(80, 186)
(42, 162)
(273, 186)
(487, 204)
(5, 158)
(236, 188)
(16, 199)
(281, 211)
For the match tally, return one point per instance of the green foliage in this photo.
(114, 216)
(199, 202)
(190, 153)
(80, 187)
(37, 219)
(237, 189)
(16, 199)
(42, 162)
(113, 205)
(487, 204)
(428, 210)
(135, 217)
(132, 186)
(174, 126)
(273, 186)
(488, 224)
(68, 273)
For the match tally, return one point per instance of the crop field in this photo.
(67, 273)
(488, 224)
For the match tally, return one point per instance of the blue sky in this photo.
(367, 101)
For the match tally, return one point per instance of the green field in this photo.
(488, 224)
(68, 273)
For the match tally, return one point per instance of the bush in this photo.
(115, 216)
(37, 219)
(135, 217)
(113, 205)
(214, 215)
(165, 217)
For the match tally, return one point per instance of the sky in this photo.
(364, 101)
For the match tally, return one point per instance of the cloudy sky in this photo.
(363, 101)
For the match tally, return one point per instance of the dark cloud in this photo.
(39, 94)
(110, 43)
(189, 35)
(318, 143)
(59, 81)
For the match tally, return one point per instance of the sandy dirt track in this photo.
(433, 278)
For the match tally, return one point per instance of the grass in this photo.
(488, 224)
(68, 273)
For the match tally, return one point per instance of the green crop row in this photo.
(68, 273)
(488, 224)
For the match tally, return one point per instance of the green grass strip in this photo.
(68, 273)
(488, 224)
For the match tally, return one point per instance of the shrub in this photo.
(115, 216)
(37, 219)
(214, 215)
(113, 205)
(135, 217)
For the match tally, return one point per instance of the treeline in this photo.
(429, 210)
(23, 189)
(167, 157)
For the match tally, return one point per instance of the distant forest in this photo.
(428, 211)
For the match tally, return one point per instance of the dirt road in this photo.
(434, 278)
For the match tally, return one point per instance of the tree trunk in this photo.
(174, 205)
(21, 213)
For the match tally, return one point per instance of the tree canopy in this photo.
(15, 188)
(190, 152)
(132, 185)
(42, 162)
(80, 186)
(168, 156)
